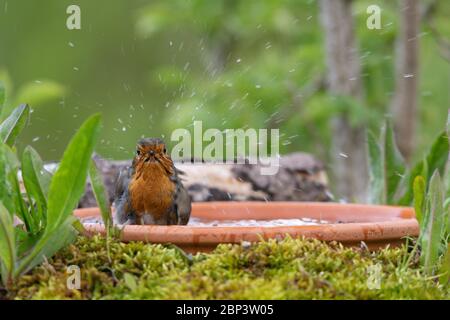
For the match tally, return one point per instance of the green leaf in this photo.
(101, 196)
(69, 181)
(10, 193)
(421, 169)
(61, 237)
(7, 243)
(66, 189)
(5, 189)
(79, 227)
(13, 125)
(377, 190)
(419, 197)
(35, 179)
(21, 207)
(394, 164)
(43, 176)
(37, 93)
(25, 241)
(436, 159)
(438, 155)
(433, 224)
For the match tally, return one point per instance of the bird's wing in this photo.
(122, 181)
(182, 203)
(180, 172)
(182, 200)
(121, 195)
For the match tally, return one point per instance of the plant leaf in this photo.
(394, 164)
(438, 155)
(433, 223)
(37, 93)
(13, 125)
(376, 171)
(60, 238)
(436, 158)
(10, 193)
(419, 197)
(7, 242)
(101, 196)
(69, 180)
(5, 189)
(66, 188)
(34, 178)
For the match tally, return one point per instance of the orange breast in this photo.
(151, 191)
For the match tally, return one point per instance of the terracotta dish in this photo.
(349, 224)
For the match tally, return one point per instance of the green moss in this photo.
(287, 269)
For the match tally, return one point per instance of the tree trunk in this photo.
(404, 102)
(344, 78)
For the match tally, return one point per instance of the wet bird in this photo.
(150, 191)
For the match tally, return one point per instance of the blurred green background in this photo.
(153, 66)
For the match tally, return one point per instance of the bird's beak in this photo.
(151, 156)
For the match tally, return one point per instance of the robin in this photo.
(150, 191)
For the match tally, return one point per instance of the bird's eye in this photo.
(138, 152)
(165, 150)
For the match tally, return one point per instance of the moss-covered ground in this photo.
(288, 269)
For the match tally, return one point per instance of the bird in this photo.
(150, 191)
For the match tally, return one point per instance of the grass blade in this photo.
(376, 170)
(101, 196)
(13, 125)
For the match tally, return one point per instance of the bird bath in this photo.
(233, 222)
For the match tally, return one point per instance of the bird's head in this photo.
(151, 152)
